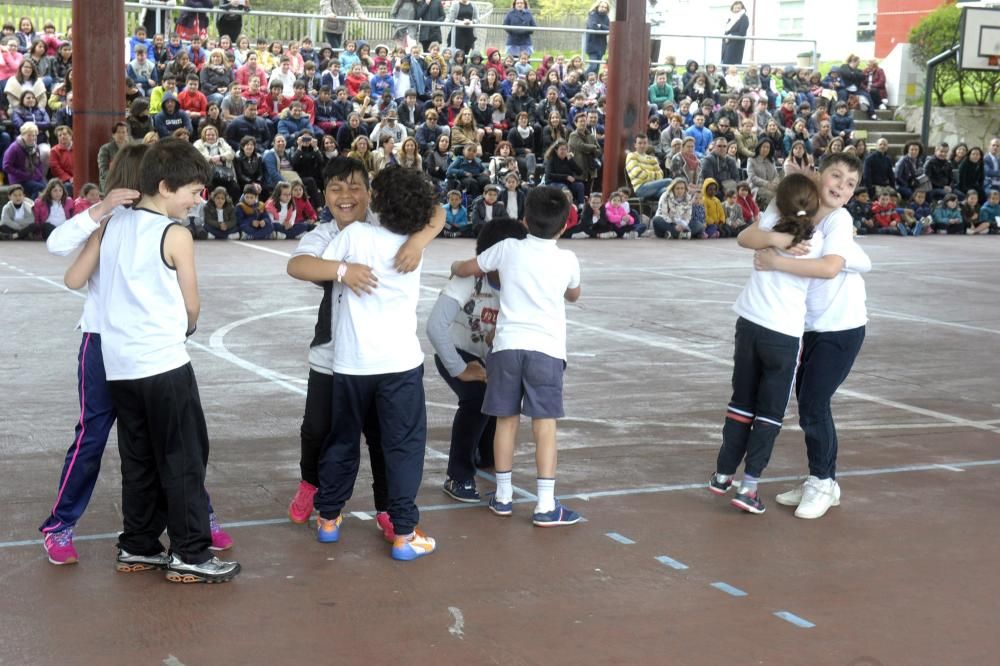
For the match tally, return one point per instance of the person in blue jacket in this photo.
(519, 41)
(596, 45)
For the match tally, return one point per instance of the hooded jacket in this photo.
(169, 120)
(714, 211)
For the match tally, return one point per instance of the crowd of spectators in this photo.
(483, 125)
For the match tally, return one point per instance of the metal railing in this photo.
(378, 27)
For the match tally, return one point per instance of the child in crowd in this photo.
(734, 218)
(887, 220)
(486, 207)
(347, 195)
(573, 228)
(715, 212)
(304, 210)
(771, 309)
(461, 327)
(525, 369)
(989, 215)
(219, 215)
(52, 208)
(456, 220)
(90, 195)
(17, 220)
(378, 363)
(970, 210)
(673, 212)
(917, 214)
(252, 217)
(147, 306)
(861, 212)
(620, 217)
(748, 204)
(282, 212)
(595, 219)
(842, 122)
(947, 218)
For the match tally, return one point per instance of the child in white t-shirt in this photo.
(525, 368)
(378, 363)
(771, 309)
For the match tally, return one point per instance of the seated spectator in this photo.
(971, 172)
(25, 80)
(465, 133)
(947, 218)
(168, 86)
(171, 118)
(361, 151)
(486, 207)
(213, 117)
(735, 222)
(719, 165)
(940, 175)
(219, 156)
(180, 69)
(887, 220)
(90, 195)
(989, 215)
(456, 217)
(138, 120)
(644, 171)
(860, 209)
(61, 158)
(842, 122)
(284, 214)
(28, 111)
(908, 172)
(746, 140)
(685, 164)
(385, 154)
(249, 166)
(17, 220)
(715, 212)
(295, 122)
(22, 161)
(617, 212)
(799, 160)
(561, 170)
(52, 208)
(970, 209)
(438, 159)
(673, 211)
(219, 215)
(748, 205)
(304, 210)
(252, 218)
(350, 131)
(277, 164)
(469, 172)
(192, 101)
(248, 125)
(702, 135)
(216, 77)
(388, 126)
(876, 81)
(142, 71)
(762, 173)
(878, 168)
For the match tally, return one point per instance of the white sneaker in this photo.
(607, 234)
(580, 235)
(882, 106)
(818, 495)
(792, 497)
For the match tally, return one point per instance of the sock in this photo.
(505, 491)
(546, 495)
(749, 484)
(723, 478)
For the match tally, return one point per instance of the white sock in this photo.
(546, 495)
(505, 491)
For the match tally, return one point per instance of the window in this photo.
(791, 18)
(867, 11)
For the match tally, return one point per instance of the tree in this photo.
(561, 8)
(935, 33)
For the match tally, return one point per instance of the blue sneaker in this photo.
(463, 491)
(556, 517)
(500, 508)
(328, 531)
(413, 546)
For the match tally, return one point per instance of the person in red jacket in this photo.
(746, 201)
(61, 158)
(192, 100)
(300, 96)
(304, 211)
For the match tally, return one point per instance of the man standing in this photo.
(333, 25)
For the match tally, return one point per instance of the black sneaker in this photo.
(718, 487)
(748, 501)
(126, 562)
(212, 571)
(461, 491)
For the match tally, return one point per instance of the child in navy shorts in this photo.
(525, 369)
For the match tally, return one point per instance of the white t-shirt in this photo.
(777, 300)
(376, 333)
(837, 304)
(535, 274)
(57, 214)
(477, 316)
(142, 312)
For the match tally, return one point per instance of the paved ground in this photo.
(661, 573)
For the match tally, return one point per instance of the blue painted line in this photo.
(671, 562)
(729, 589)
(614, 536)
(794, 619)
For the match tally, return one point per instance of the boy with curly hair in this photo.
(377, 362)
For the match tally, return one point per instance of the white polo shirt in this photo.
(535, 274)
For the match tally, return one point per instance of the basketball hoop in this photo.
(994, 61)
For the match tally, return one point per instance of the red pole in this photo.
(626, 110)
(99, 81)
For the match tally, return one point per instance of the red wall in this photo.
(895, 20)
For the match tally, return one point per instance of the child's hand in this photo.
(115, 198)
(408, 257)
(763, 260)
(799, 250)
(360, 279)
(474, 372)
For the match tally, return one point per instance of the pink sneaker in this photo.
(220, 540)
(301, 508)
(385, 524)
(59, 547)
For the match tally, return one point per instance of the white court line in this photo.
(619, 492)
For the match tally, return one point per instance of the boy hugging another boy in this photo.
(378, 363)
(525, 369)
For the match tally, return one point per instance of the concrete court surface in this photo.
(903, 573)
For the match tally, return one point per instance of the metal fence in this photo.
(550, 36)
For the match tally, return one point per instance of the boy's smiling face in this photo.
(347, 200)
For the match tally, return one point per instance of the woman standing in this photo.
(462, 15)
(737, 25)
(230, 23)
(432, 12)
(519, 41)
(595, 45)
(402, 33)
(194, 24)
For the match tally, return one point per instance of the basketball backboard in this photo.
(979, 32)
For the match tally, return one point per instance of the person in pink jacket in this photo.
(53, 207)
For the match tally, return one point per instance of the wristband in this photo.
(341, 271)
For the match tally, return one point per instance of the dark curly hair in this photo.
(499, 229)
(404, 199)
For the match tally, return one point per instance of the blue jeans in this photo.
(653, 189)
(471, 430)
